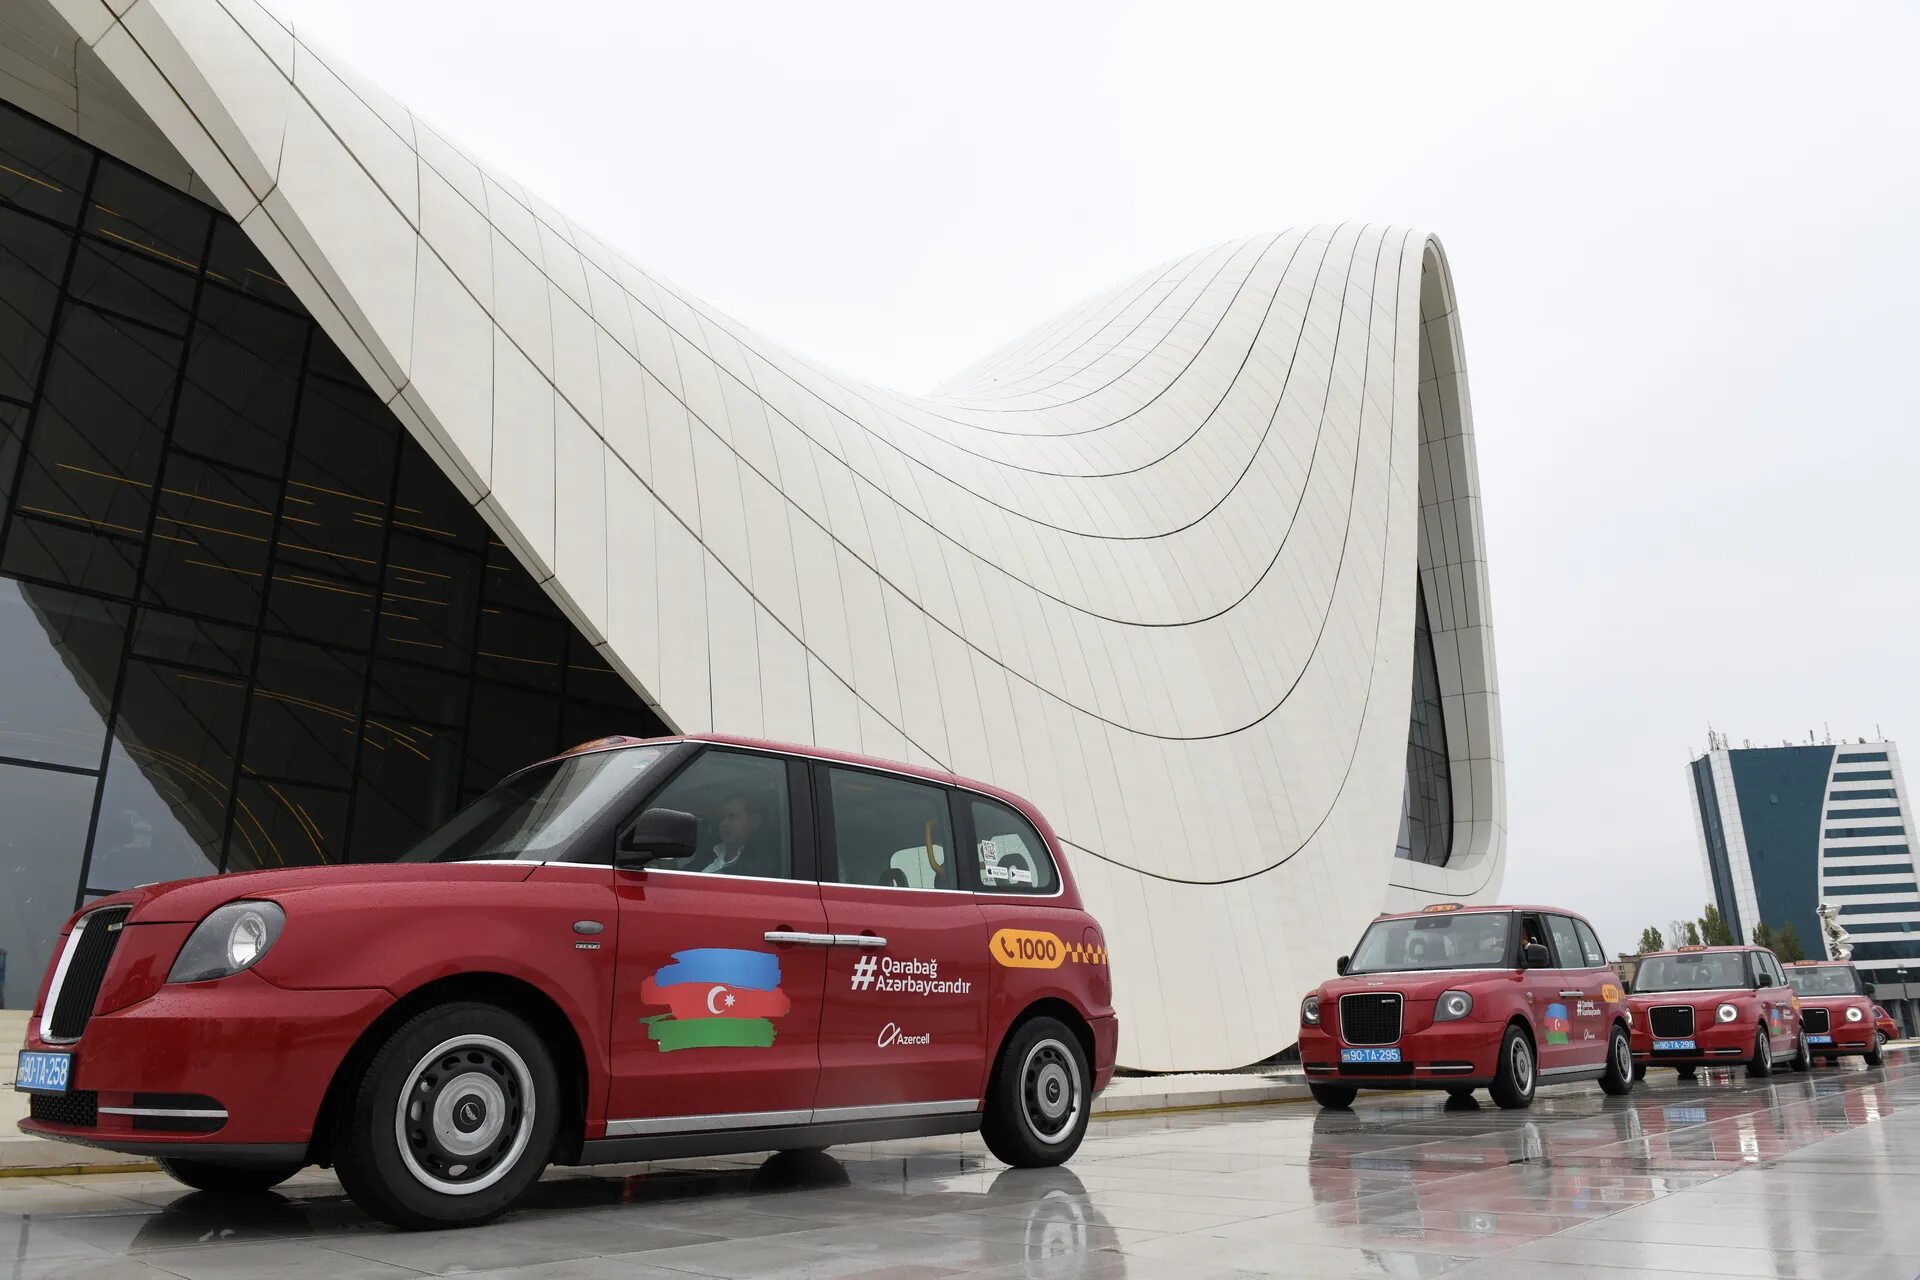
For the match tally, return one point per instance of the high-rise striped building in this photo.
(1786, 829)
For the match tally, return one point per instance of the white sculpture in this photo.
(1839, 945)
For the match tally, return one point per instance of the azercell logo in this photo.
(863, 971)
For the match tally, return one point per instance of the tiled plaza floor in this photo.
(1803, 1175)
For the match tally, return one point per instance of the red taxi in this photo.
(1699, 1007)
(636, 950)
(1884, 1024)
(1461, 998)
(1836, 1009)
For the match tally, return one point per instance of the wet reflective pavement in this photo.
(1812, 1175)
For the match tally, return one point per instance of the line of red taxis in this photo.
(1507, 998)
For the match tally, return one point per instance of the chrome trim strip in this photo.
(1464, 1066)
(779, 1119)
(1593, 1067)
(60, 976)
(866, 941)
(805, 939)
(181, 1113)
(895, 1110)
(699, 1124)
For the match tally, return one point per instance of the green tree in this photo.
(1786, 944)
(1763, 937)
(1714, 931)
(1650, 940)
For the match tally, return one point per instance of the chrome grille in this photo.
(83, 967)
(1815, 1022)
(1670, 1021)
(1370, 1017)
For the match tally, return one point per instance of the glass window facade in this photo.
(1861, 757)
(246, 622)
(1882, 794)
(1893, 812)
(1881, 908)
(1865, 850)
(1870, 775)
(1851, 833)
(1426, 806)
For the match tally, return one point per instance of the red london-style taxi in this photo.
(636, 950)
(1466, 997)
(1884, 1024)
(1837, 1010)
(1699, 1007)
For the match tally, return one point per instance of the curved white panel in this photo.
(1152, 565)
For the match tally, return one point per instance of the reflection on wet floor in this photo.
(1802, 1175)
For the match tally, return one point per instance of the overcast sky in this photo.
(1684, 239)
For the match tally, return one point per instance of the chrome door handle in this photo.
(867, 941)
(802, 939)
(1576, 994)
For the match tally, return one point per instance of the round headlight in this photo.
(247, 941)
(1452, 1006)
(1310, 1011)
(231, 938)
(1726, 1013)
(1854, 1014)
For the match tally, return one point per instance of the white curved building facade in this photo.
(1156, 565)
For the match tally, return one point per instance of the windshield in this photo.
(1692, 971)
(532, 816)
(1470, 940)
(1837, 980)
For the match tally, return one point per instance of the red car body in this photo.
(1883, 1023)
(1709, 1006)
(889, 1027)
(1836, 1009)
(1569, 1006)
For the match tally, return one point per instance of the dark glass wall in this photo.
(1426, 807)
(244, 620)
(1781, 792)
(1719, 863)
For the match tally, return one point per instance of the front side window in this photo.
(890, 832)
(1692, 971)
(1466, 940)
(534, 816)
(1566, 943)
(1834, 980)
(740, 802)
(1010, 856)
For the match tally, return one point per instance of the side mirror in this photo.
(657, 833)
(1534, 956)
(1870, 988)
(1340, 965)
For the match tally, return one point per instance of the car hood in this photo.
(1414, 984)
(191, 900)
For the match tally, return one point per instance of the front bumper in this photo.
(1446, 1055)
(1716, 1044)
(1848, 1037)
(236, 1064)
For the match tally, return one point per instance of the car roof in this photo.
(1475, 908)
(1808, 964)
(1694, 951)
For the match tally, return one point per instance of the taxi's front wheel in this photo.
(1038, 1101)
(452, 1120)
(1620, 1073)
(1513, 1079)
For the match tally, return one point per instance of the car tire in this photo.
(1639, 1072)
(1460, 1091)
(226, 1179)
(1687, 1072)
(403, 1145)
(1618, 1079)
(1873, 1056)
(1802, 1056)
(1516, 1077)
(1040, 1097)
(1761, 1064)
(1334, 1097)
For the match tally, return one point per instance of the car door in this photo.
(1578, 996)
(907, 989)
(1552, 1019)
(722, 957)
(1776, 1000)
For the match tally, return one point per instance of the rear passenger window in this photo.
(1008, 853)
(889, 832)
(1590, 943)
(1566, 943)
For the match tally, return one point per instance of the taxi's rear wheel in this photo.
(1619, 1075)
(1513, 1080)
(1686, 1073)
(227, 1179)
(1038, 1102)
(1334, 1097)
(453, 1119)
(1762, 1063)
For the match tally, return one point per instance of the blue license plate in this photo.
(1661, 1046)
(42, 1072)
(1819, 1039)
(1686, 1115)
(1369, 1055)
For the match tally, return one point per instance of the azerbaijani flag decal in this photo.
(720, 997)
(1558, 1025)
